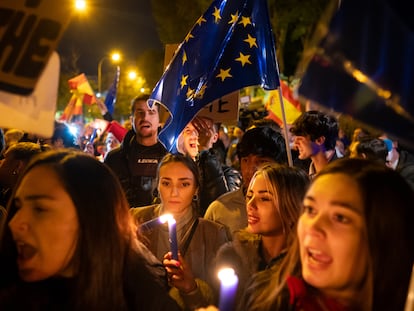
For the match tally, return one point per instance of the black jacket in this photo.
(216, 178)
(136, 167)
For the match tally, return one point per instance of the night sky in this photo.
(124, 25)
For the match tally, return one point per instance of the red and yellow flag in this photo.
(81, 93)
(80, 87)
(291, 105)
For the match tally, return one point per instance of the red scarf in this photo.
(302, 299)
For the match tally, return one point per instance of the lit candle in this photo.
(228, 288)
(172, 229)
(151, 224)
(172, 233)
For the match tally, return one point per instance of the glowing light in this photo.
(228, 277)
(132, 75)
(73, 129)
(116, 57)
(80, 5)
(228, 288)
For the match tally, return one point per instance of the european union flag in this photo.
(110, 98)
(231, 46)
(364, 66)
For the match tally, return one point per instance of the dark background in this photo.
(123, 25)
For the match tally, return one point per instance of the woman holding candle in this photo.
(354, 249)
(192, 275)
(71, 243)
(273, 204)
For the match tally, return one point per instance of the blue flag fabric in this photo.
(110, 98)
(365, 66)
(231, 46)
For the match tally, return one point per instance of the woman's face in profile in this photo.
(263, 215)
(332, 236)
(45, 227)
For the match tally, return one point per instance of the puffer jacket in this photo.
(216, 178)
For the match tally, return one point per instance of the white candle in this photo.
(228, 288)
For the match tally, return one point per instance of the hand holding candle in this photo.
(172, 230)
(228, 288)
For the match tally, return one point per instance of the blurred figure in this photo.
(111, 142)
(354, 244)
(223, 142)
(194, 283)
(371, 148)
(356, 136)
(232, 158)
(15, 160)
(400, 159)
(61, 256)
(13, 136)
(62, 137)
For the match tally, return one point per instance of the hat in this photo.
(117, 130)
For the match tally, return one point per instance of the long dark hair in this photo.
(106, 231)
(388, 214)
(188, 162)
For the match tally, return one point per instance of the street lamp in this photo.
(132, 75)
(80, 5)
(115, 57)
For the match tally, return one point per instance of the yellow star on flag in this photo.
(183, 81)
(234, 18)
(190, 93)
(201, 20)
(216, 15)
(184, 58)
(245, 21)
(244, 59)
(224, 74)
(188, 37)
(250, 40)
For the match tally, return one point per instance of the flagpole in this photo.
(285, 127)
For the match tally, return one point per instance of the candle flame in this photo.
(167, 217)
(227, 276)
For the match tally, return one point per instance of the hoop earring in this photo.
(195, 197)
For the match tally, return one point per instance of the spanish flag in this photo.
(82, 93)
(291, 105)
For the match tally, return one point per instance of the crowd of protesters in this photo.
(329, 231)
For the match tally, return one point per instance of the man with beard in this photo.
(135, 161)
